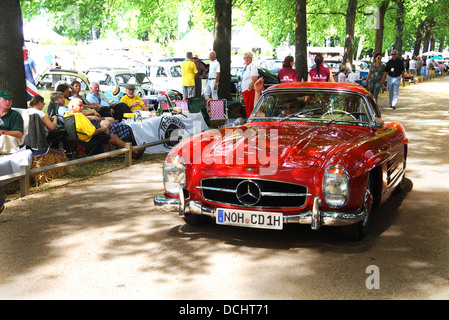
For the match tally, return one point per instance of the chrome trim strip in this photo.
(253, 178)
(394, 184)
(268, 194)
(285, 194)
(216, 189)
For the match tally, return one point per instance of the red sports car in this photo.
(311, 153)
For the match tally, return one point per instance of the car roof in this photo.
(321, 85)
(63, 71)
(109, 69)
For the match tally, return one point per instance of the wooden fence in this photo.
(25, 172)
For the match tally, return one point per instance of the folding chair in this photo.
(78, 146)
(165, 105)
(182, 104)
(218, 109)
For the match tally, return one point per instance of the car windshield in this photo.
(312, 107)
(51, 81)
(125, 78)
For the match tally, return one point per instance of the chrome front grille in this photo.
(248, 192)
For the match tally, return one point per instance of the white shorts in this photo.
(209, 89)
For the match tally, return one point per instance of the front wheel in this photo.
(358, 231)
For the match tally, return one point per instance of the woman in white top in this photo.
(250, 75)
(36, 106)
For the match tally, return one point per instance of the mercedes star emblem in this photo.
(248, 192)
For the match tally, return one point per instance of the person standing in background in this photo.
(375, 75)
(214, 77)
(250, 75)
(199, 76)
(395, 71)
(287, 73)
(320, 73)
(189, 71)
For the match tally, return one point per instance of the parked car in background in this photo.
(314, 153)
(270, 64)
(270, 78)
(48, 80)
(165, 76)
(108, 78)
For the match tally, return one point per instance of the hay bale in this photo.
(48, 159)
(217, 123)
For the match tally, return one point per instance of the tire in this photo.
(196, 219)
(358, 231)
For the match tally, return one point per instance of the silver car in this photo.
(108, 78)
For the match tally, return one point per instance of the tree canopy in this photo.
(159, 21)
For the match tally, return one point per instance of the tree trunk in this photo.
(399, 26)
(12, 76)
(441, 47)
(301, 39)
(378, 46)
(222, 45)
(349, 39)
(418, 41)
(427, 35)
(432, 43)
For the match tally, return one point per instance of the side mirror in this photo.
(377, 123)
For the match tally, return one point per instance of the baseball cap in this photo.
(130, 86)
(5, 94)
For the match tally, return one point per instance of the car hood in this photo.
(290, 146)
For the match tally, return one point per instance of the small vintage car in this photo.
(311, 153)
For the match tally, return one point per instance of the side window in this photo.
(84, 85)
(176, 71)
(161, 72)
(374, 107)
(45, 83)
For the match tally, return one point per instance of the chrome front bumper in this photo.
(315, 218)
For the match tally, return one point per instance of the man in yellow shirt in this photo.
(88, 132)
(188, 70)
(133, 101)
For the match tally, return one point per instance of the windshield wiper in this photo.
(341, 116)
(300, 112)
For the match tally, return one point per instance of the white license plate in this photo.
(252, 219)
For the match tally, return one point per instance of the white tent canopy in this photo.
(37, 30)
(432, 53)
(197, 41)
(248, 39)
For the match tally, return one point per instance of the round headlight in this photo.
(174, 174)
(336, 186)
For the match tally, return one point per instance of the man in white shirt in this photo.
(353, 76)
(413, 66)
(214, 76)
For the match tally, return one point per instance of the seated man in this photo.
(95, 97)
(58, 100)
(88, 131)
(96, 100)
(133, 101)
(11, 124)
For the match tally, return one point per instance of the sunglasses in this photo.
(393, 54)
